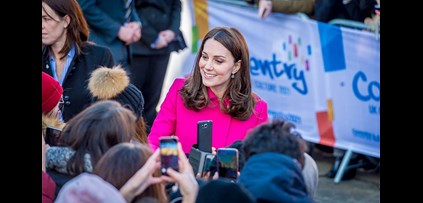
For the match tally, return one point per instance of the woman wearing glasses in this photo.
(67, 55)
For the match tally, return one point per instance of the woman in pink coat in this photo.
(219, 89)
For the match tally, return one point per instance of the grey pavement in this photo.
(364, 187)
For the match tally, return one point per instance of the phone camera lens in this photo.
(205, 125)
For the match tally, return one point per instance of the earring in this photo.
(233, 75)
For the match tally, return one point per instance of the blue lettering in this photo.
(300, 77)
(370, 88)
(366, 135)
(273, 70)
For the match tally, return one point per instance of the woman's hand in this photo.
(142, 178)
(185, 179)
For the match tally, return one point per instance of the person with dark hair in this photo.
(223, 191)
(219, 89)
(86, 137)
(113, 84)
(67, 55)
(121, 162)
(274, 159)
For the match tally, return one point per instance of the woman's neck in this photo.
(55, 49)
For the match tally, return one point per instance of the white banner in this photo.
(354, 88)
(305, 71)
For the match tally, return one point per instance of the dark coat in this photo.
(75, 85)
(105, 18)
(156, 16)
(274, 177)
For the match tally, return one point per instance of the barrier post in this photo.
(343, 166)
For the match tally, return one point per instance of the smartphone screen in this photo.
(169, 153)
(204, 135)
(52, 136)
(227, 163)
(207, 163)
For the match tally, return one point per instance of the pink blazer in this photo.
(175, 119)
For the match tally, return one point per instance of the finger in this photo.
(260, 10)
(267, 13)
(173, 174)
(168, 179)
(153, 161)
(216, 176)
(156, 180)
(156, 154)
(207, 175)
(181, 153)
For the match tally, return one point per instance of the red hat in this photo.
(52, 92)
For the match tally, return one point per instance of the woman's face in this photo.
(216, 66)
(53, 27)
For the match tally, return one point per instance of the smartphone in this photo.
(204, 135)
(169, 153)
(52, 136)
(207, 163)
(227, 163)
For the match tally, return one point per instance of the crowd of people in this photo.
(102, 73)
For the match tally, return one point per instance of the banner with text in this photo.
(322, 78)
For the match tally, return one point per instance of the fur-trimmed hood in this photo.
(53, 122)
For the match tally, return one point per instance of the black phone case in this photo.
(204, 135)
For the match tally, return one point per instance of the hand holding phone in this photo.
(207, 163)
(227, 163)
(169, 153)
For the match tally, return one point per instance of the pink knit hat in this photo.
(89, 188)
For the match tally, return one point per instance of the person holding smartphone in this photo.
(219, 89)
(266, 148)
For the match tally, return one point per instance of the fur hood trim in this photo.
(53, 122)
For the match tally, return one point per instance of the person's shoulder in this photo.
(178, 82)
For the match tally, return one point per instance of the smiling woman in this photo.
(219, 89)
(67, 55)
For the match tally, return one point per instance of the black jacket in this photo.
(75, 85)
(104, 18)
(156, 16)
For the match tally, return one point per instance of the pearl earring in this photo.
(233, 75)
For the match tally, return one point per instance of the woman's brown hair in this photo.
(77, 30)
(121, 162)
(95, 130)
(239, 92)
